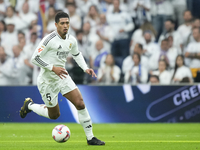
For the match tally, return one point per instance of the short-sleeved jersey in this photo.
(53, 51)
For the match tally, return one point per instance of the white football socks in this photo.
(39, 109)
(85, 121)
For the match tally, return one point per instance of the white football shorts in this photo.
(50, 90)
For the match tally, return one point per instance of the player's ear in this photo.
(56, 24)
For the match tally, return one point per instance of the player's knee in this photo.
(54, 116)
(80, 105)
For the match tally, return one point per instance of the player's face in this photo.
(63, 26)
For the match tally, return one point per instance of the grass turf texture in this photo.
(37, 136)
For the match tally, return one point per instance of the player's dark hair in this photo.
(176, 66)
(59, 15)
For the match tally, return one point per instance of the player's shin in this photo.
(85, 121)
(39, 109)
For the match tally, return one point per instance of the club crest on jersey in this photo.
(70, 46)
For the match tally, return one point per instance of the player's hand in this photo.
(61, 72)
(91, 72)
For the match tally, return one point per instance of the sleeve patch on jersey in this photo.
(51, 36)
(76, 54)
(40, 49)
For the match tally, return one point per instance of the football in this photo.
(61, 133)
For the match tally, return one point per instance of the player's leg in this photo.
(84, 118)
(50, 109)
(40, 109)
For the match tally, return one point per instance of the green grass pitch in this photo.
(37, 136)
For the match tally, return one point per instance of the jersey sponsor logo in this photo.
(62, 54)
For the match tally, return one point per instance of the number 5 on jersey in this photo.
(49, 98)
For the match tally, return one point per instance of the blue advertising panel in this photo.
(112, 104)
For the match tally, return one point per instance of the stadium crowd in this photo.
(124, 41)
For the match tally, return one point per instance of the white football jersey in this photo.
(53, 51)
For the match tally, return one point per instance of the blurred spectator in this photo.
(50, 20)
(169, 30)
(34, 5)
(104, 5)
(93, 16)
(166, 53)
(10, 37)
(3, 55)
(154, 79)
(162, 73)
(53, 3)
(20, 35)
(27, 16)
(89, 39)
(3, 6)
(10, 69)
(190, 38)
(81, 45)
(109, 73)
(22, 43)
(180, 71)
(179, 7)
(2, 30)
(185, 29)
(104, 31)
(83, 11)
(149, 46)
(99, 58)
(174, 51)
(137, 36)
(161, 10)
(28, 51)
(140, 11)
(138, 73)
(75, 19)
(122, 7)
(128, 62)
(122, 24)
(10, 14)
(192, 53)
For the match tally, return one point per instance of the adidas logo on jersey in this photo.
(59, 47)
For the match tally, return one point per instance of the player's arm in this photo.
(78, 57)
(37, 59)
